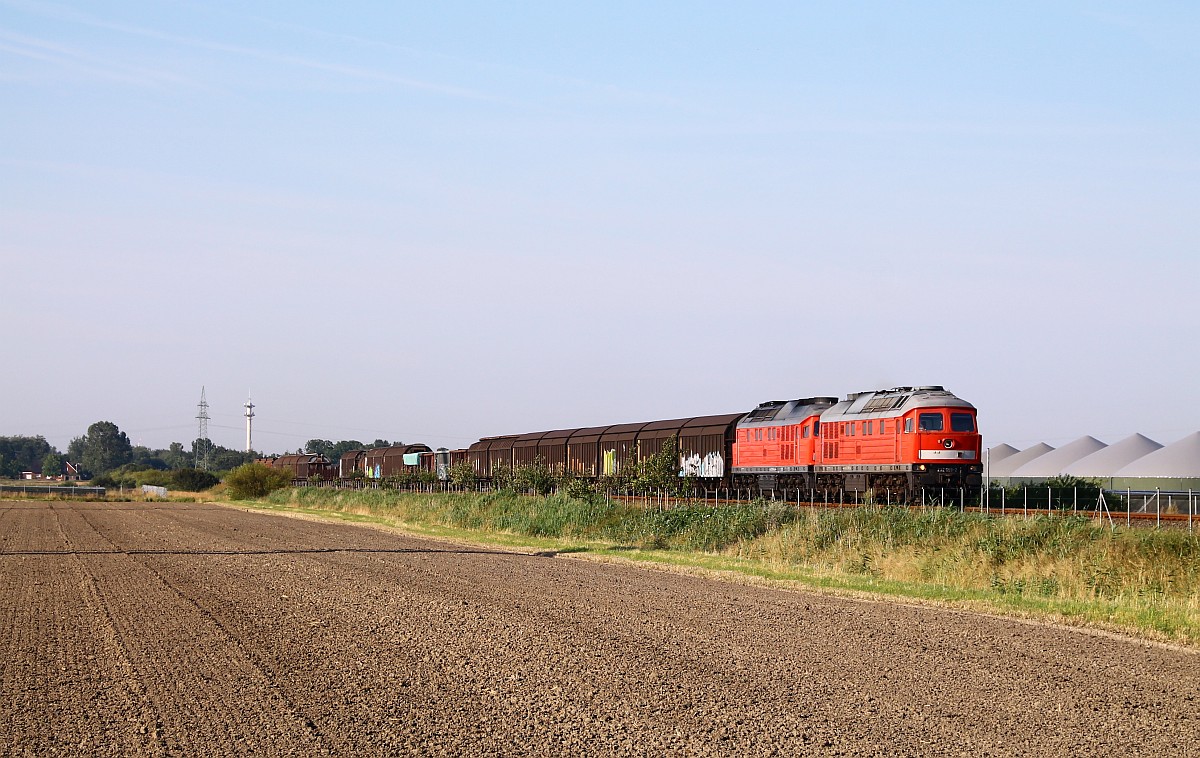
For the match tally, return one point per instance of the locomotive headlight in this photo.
(947, 444)
(921, 467)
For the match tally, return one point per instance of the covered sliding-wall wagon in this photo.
(704, 447)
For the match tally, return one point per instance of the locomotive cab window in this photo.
(961, 422)
(805, 431)
(931, 422)
(908, 425)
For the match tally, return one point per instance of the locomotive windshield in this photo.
(962, 422)
(930, 422)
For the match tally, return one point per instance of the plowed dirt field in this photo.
(202, 630)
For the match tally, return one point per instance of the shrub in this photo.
(152, 477)
(576, 487)
(534, 477)
(256, 480)
(502, 477)
(104, 480)
(462, 474)
(193, 480)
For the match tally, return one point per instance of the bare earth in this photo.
(196, 630)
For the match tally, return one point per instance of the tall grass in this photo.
(1066, 566)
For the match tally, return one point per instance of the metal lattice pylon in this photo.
(202, 446)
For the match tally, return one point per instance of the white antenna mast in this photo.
(249, 421)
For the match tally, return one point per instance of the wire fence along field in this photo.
(52, 489)
(1130, 507)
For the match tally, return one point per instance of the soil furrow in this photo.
(253, 633)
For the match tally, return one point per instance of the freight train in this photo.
(898, 440)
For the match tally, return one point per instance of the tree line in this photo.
(106, 450)
(105, 453)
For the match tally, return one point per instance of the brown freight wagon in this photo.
(382, 462)
(305, 466)
(440, 461)
(491, 452)
(705, 443)
(351, 461)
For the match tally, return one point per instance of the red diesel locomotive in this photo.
(899, 439)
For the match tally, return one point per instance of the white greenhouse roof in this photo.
(1053, 462)
(1107, 462)
(1015, 461)
(998, 453)
(1177, 460)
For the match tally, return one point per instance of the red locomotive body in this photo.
(777, 444)
(900, 439)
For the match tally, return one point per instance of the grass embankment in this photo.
(1064, 568)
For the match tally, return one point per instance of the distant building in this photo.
(1135, 463)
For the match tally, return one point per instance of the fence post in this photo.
(1128, 506)
(1075, 505)
(1157, 508)
(1026, 490)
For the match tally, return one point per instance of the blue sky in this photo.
(440, 222)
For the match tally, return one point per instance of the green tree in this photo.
(225, 459)
(177, 458)
(318, 447)
(343, 447)
(75, 450)
(145, 458)
(52, 465)
(105, 447)
(660, 471)
(381, 443)
(23, 453)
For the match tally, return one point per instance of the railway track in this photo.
(1128, 518)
